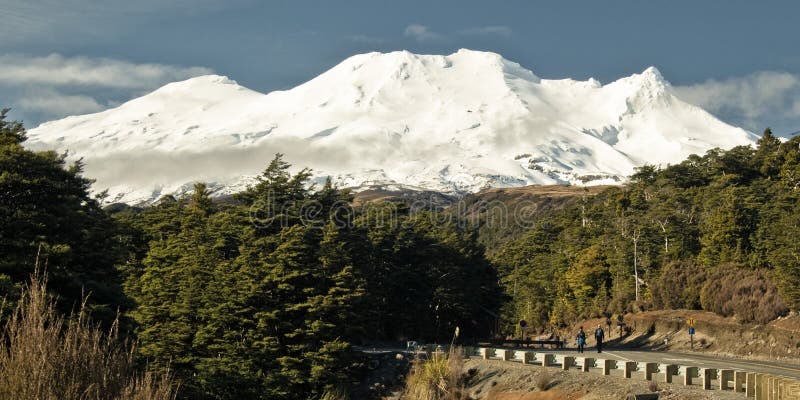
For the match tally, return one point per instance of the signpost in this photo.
(523, 326)
(690, 322)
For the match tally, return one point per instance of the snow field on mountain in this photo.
(456, 123)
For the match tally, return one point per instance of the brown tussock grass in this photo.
(440, 377)
(549, 395)
(46, 356)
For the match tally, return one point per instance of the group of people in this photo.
(599, 335)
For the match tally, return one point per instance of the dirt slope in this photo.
(714, 334)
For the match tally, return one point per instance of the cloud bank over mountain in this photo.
(55, 86)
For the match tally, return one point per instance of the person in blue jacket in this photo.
(599, 335)
(581, 339)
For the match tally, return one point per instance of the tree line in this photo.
(715, 232)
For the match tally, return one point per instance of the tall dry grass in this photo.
(335, 394)
(45, 356)
(549, 395)
(440, 377)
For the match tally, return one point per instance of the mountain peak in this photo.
(649, 86)
(202, 81)
(653, 79)
(653, 73)
(485, 62)
(489, 55)
(453, 123)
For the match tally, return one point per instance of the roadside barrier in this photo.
(753, 385)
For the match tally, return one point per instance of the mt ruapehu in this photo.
(455, 124)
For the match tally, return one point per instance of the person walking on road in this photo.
(581, 340)
(598, 336)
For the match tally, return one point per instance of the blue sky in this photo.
(738, 59)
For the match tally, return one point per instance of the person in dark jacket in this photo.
(581, 340)
(599, 335)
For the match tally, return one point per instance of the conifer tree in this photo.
(46, 210)
(767, 158)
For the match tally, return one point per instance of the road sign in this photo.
(690, 321)
(691, 330)
(523, 323)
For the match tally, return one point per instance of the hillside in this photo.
(714, 233)
(666, 330)
(503, 214)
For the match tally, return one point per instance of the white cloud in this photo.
(488, 30)
(52, 102)
(41, 88)
(420, 33)
(756, 95)
(755, 101)
(56, 69)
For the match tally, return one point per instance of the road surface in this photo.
(689, 359)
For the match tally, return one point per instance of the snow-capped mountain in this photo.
(455, 123)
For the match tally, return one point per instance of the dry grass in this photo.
(550, 395)
(543, 381)
(441, 377)
(335, 394)
(49, 357)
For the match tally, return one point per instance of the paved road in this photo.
(693, 359)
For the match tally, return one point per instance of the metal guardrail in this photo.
(753, 385)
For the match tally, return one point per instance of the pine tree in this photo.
(767, 158)
(586, 277)
(46, 211)
(175, 276)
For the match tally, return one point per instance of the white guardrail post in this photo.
(739, 378)
(750, 385)
(761, 387)
(567, 362)
(586, 363)
(608, 365)
(528, 357)
(630, 366)
(548, 359)
(669, 370)
(689, 373)
(649, 370)
(725, 376)
(486, 352)
(709, 374)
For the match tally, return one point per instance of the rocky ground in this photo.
(523, 381)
